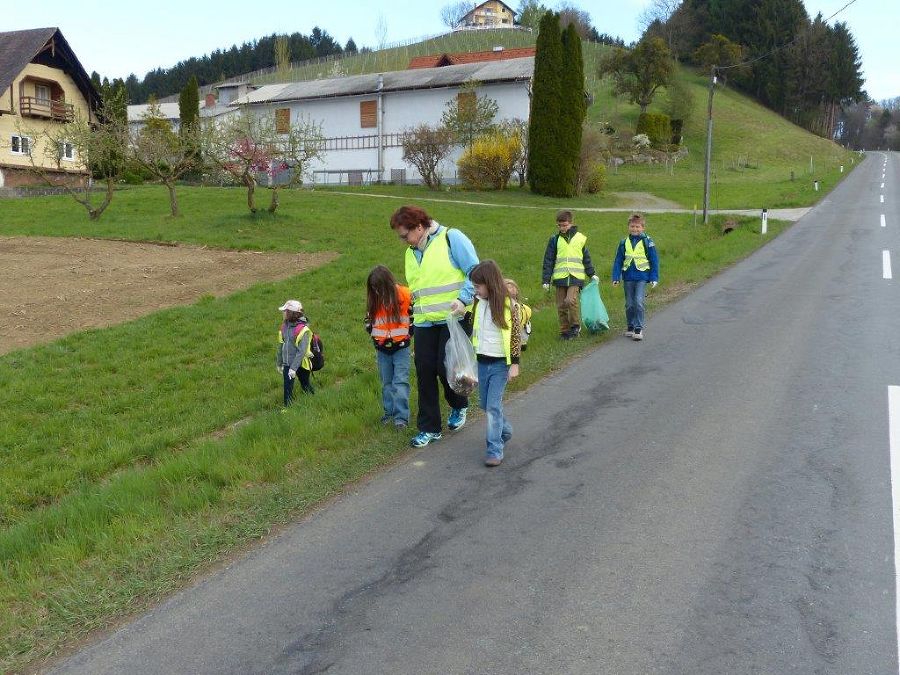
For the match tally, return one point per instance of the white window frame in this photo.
(37, 93)
(20, 151)
(70, 156)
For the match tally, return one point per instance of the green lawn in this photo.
(136, 455)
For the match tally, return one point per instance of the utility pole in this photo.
(712, 88)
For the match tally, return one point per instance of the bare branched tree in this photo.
(452, 15)
(381, 30)
(425, 147)
(655, 18)
(98, 146)
(164, 154)
(569, 13)
(518, 127)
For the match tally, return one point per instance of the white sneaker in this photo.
(629, 333)
(638, 335)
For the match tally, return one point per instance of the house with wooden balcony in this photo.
(42, 87)
(490, 14)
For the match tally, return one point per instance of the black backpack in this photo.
(317, 360)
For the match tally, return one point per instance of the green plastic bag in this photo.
(593, 312)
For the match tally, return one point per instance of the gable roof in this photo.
(477, 7)
(440, 60)
(21, 47)
(511, 70)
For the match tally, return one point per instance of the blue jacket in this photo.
(462, 257)
(633, 273)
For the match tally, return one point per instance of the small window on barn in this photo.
(283, 121)
(465, 101)
(368, 114)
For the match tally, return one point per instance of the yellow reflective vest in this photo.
(635, 254)
(570, 257)
(434, 282)
(306, 363)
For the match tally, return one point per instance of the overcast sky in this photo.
(138, 37)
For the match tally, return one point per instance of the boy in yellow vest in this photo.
(636, 264)
(567, 264)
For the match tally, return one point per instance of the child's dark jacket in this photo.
(550, 261)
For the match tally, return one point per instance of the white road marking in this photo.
(883, 223)
(894, 443)
(886, 264)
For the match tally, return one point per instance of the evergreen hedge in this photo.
(657, 126)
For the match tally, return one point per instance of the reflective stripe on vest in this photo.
(570, 257)
(383, 327)
(505, 333)
(434, 282)
(637, 255)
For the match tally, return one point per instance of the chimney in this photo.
(210, 100)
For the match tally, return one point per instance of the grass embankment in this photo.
(134, 456)
(755, 151)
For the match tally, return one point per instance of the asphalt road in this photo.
(716, 499)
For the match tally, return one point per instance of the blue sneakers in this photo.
(423, 438)
(457, 418)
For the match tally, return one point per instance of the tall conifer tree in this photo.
(573, 109)
(546, 102)
(189, 102)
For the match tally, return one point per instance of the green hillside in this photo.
(754, 152)
(754, 149)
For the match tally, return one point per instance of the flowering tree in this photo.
(249, 146)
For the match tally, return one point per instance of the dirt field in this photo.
(52, 286)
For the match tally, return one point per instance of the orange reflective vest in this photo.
(386, 328)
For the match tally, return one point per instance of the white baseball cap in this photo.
(292, 305)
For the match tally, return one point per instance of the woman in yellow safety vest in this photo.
(438, 263)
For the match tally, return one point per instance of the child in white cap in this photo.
(292, 357)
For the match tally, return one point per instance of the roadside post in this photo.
(816, 185)
(765, 221)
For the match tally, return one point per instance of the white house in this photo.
(364, 116)
(211, 107)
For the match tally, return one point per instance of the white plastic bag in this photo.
(459, 359)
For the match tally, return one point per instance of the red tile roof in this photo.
(437, 60)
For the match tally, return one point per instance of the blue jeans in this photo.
(394, 371)
(634, 303)
(492, 379)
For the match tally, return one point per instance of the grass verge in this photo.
(124, 469)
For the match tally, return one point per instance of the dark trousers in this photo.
(430, 344)
(305, 384)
